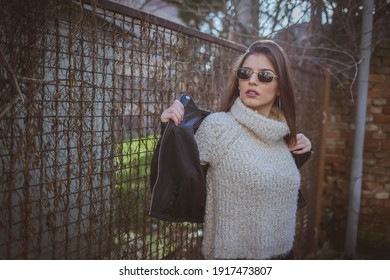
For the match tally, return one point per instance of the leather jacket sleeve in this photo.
(299, 161)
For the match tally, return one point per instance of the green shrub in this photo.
(132, 165)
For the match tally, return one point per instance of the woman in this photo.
(252, 179)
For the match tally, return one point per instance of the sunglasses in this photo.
(264, 76)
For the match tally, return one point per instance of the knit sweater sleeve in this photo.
(211, 129)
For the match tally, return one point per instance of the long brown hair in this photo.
(281, 64)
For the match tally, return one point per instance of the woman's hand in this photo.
(302, 146)
(174, 113)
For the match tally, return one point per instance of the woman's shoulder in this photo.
(218, 118)
(215, 123)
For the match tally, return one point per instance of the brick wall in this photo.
(374, 220)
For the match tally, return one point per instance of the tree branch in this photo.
(14, 82)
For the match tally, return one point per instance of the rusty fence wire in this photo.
(82, 87)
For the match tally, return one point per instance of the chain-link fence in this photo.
(82, 88)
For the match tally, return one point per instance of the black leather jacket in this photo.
(178, 180)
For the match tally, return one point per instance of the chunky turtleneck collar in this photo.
(267, 129)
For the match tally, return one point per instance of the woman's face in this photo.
(255, 94)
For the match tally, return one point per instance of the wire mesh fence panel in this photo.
(82, 89)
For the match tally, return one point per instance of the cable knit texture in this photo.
(252, 185)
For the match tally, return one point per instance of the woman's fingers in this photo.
(174, 113)
(177, 112)
(302, 146)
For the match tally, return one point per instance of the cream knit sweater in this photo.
(252, 185)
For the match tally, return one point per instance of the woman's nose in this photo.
(253, 78)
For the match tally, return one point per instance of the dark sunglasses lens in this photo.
(243, 73)
(265, 77)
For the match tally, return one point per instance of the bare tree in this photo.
(321, 32)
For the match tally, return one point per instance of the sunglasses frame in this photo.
(259, 76)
